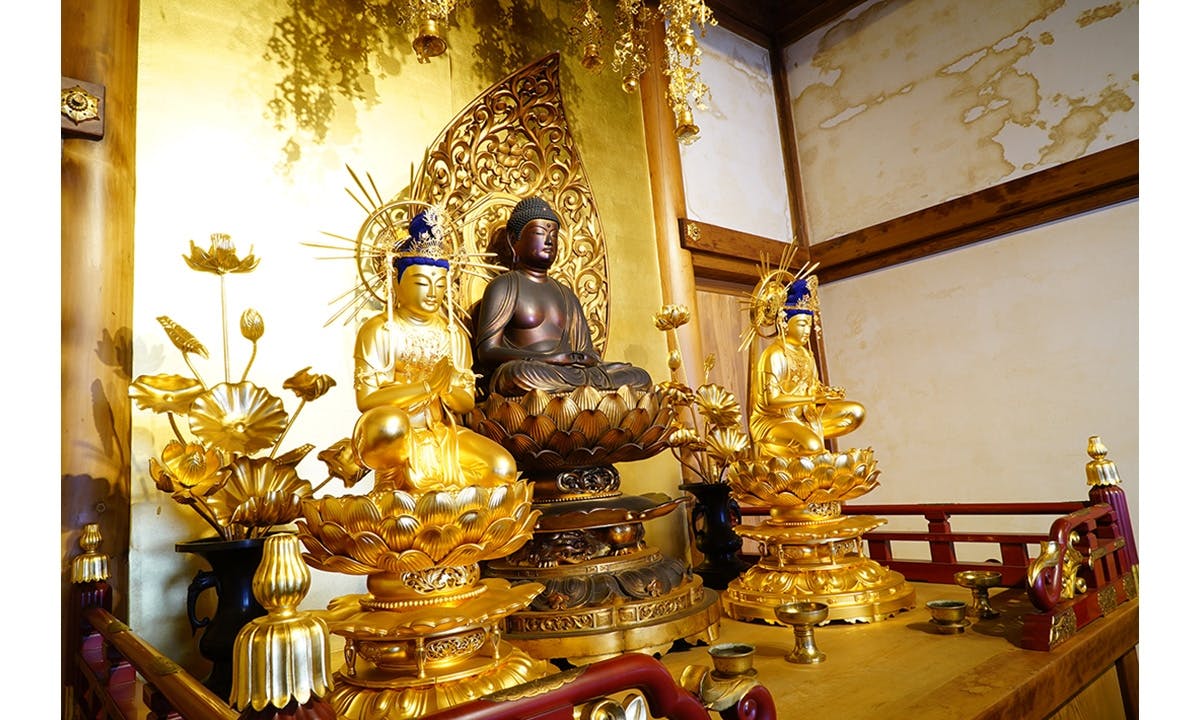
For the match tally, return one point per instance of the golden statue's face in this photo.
(420, 290)
(798, 327)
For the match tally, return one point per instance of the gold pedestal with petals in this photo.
(427, 635)
(607, 591)
(810, 551)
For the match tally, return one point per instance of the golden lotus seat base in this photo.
(690, 613)
(817, 561)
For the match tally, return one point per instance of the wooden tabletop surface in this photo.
(901, 668)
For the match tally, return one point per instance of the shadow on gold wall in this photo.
(330, 51)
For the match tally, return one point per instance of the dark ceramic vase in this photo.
(233, 564)
(713, 518)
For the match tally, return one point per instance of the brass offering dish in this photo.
(731, 659)
(979, 582)
(948, 616)
(803, 616)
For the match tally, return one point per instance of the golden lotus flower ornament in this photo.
(585, 427)
(220, 470)
(799, 489)
(395, 531)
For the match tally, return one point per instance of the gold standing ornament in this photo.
(427, 635)
(810, 551)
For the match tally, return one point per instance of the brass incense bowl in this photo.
(979, 582)
(803, 616)
(948, 616)
(731, 659)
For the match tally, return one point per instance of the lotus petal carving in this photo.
(395, 531)
(822, 478)
(584, 427)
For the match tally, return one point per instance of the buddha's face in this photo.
(537, 245)
(798, 327)
(420, 289)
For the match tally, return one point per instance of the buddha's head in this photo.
(421, 266)
(798, 327)
(533, 234)
(800, 308)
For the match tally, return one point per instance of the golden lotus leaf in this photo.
(240, 417)
(718, 405)
(165, 393)
(396, 531)
(584, 427)
(260, 492)
(789, 481)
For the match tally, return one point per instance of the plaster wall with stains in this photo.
(984, 370)
(903, 104)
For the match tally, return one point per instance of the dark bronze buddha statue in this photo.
(530, 329)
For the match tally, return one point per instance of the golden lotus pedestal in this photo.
(411, 654)
(606, 591)
(428, 633)
(820, 561)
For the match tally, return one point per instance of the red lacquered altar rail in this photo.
(555, 697)
(110, 659)
(941, 539)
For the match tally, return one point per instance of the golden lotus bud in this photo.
(630, 84)
(252, 325)
(671, 317)
(591, 57)
(429, 41)
(674, 360)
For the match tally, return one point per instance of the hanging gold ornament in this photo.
(428, 17)
(429, 41)
(587, 29)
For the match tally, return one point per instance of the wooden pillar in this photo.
(666, 191)
(99, 45)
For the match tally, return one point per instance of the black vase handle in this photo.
(204, 580)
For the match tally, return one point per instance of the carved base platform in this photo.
(818, 561)
(375, 695)
(690, 612)
(426, 651)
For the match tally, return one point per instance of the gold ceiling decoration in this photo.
(685, 89)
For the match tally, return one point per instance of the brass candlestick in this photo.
(979, 582)
(803, 616)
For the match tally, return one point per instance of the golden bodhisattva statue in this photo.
(531, 332)
(411, 372)
(810, 550)
(793, 412)
(427, 634)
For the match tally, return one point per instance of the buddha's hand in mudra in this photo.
(832, 392)
(572, 358)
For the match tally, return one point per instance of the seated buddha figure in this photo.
(412, 371)
(530, 329)
(792, 412)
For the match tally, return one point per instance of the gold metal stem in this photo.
(282, 435)
(175, 427)
(224, 328)
(253, 354)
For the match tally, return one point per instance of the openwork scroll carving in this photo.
(512, 142)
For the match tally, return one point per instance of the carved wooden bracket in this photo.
(82, 109)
